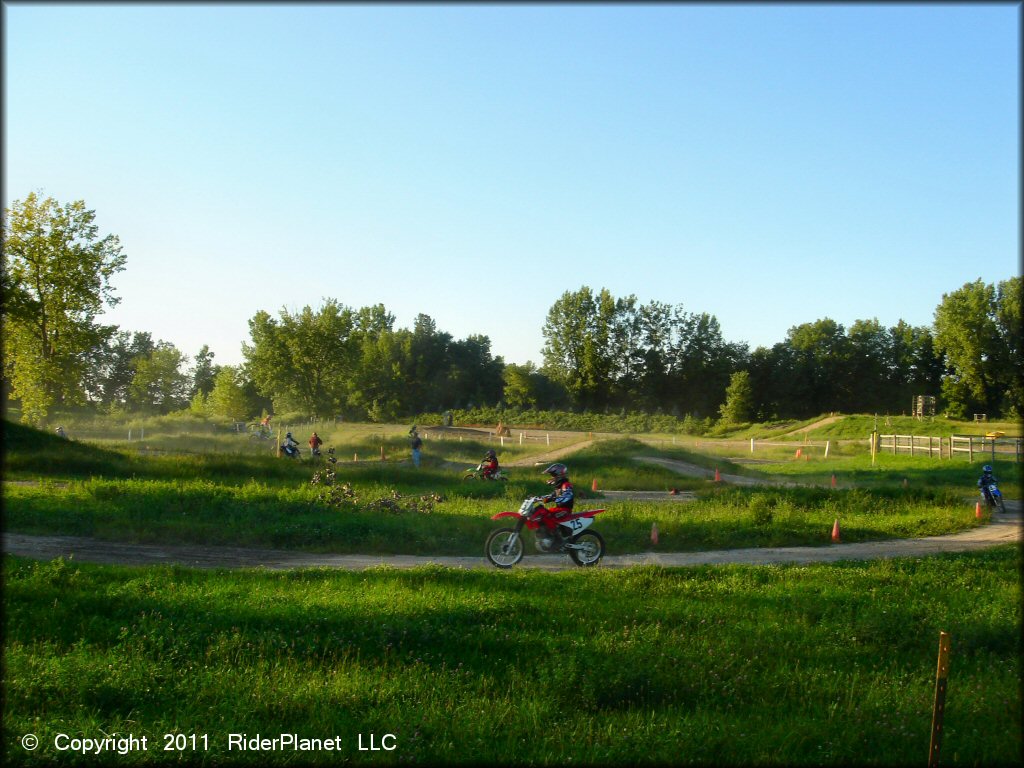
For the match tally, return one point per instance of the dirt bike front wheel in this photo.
(590, 549)
(504, 548)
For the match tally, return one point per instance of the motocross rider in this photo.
(563, 496)
(489, 465)
(290, 444)
(987, 478)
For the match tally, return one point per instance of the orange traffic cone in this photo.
(798, 452)
(718, 477)
(835, 532)
(382, 453)
(654, 534)
(593, 484)
(977, 510)
(673, 492)
(833, 481)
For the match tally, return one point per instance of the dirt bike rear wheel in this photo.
(592, 549)
(500, 552)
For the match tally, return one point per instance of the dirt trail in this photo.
(1003, 529)
(545, 458)
(692, 470)
(815, 425)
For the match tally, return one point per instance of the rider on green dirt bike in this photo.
(489, 465)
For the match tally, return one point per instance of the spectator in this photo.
(417, 444)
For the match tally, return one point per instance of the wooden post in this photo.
(751, 445)
(874, 446)
(520, 438)
(827, 442)
(970, 449)
(939, 707)
(279, 442)
(549, 438)
(911, 445)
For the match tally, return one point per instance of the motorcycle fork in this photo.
(517, 530)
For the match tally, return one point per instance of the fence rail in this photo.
(984, 447)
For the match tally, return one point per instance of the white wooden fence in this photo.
(937, 447)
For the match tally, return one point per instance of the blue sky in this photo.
(768, 164)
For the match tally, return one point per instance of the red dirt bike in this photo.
(570, 534)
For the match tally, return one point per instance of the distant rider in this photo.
(314, 444)
(61, 432)
(489, 465)
(290, 445)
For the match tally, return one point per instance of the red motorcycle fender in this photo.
(504, 514)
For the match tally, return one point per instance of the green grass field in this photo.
(710, 665)
(824, 664)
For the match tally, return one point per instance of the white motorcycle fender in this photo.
(577, 524)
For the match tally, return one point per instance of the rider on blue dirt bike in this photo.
(987, 478)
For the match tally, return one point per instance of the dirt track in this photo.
(1004, 529)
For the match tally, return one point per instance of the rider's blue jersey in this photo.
(564, 496)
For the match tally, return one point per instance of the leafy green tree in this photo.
(159, 384)
(474, 375)
(738, 407)
(976, 348)
(869, 385)
(821, 371)
(303, 361)
(528, 388)
(568, 355)
(56, 280)
(701, 362)
(914, 367)
(228, 398)
(204, 372)
(112, 367)
(1009, 320)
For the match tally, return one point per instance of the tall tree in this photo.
(303, 360)
(1009, 297)
(112, 367)
(977, 355)
(228, 397)
(58, 271)
(204, 372)
(159, 384)
(738, 407)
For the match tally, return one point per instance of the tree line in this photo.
(601, 354)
